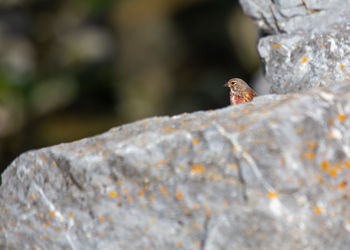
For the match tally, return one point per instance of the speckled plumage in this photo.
(240, 92)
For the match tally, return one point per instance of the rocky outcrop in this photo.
(265, 174)
(305, 43)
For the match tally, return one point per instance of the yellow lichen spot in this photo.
(325, 165)
(179, 244)
(299, 130)
(130, 199)
(41, 215)
(125, 191)
(32, 197)
(151, 198)
(208, 212)
(341, 117)
(144, 206)
(304, 59)
(182, 167)
(347, 164)
(168, 129)
(119, 182)
(342, 66)
(186, 211)
(112, 194)
(318, 210)
(272, 195)
(197, 169)
(164, 191)
(52, 214)
(146, 228)
(53, 164)
(195, 206)
(311, 155)
(333, 172)
(197, 243)
(47, 223)
(195, 142)
(322, 45)
(276, 46)
(101, 218)
(342, 185)
(70, 214)
(43, 237)
(184, 149)
(348, 78)
(179, 195)
(329, 36)
(325, 79)
(225, 203)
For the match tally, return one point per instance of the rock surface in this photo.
(306, 42)
(269, 174)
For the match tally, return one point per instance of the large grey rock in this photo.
(271, 174)
(308, 42)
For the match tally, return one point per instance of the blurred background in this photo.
(75, 68)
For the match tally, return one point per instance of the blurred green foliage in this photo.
(74, 68)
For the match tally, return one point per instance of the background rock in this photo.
(304, 43)
(264, 175)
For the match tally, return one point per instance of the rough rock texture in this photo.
(308, 42)
(271, 174)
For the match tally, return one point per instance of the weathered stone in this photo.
(269, 174)
(310, 42)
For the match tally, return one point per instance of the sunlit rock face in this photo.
(269, 173)
(304, 44)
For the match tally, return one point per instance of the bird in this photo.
(240, 92)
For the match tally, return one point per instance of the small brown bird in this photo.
(240, 92)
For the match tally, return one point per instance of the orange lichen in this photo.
(43, 159)
(248, 231)
(130, 199)
(47, 223)
(52, 214)
(304, 60)
(5, 211)
(112, 194)
(225, 203)
(151, 198)
(162, 162)
(312, 145)
(341, 117)
(102, 218)
(182, 167)
(276, 46)
(299, 130)
(32, 197)
(195, 206)
(53, 164)
(333, 172)
(197, 169)
(168, 129)
(347, 78)
(164, 191)
(311, 155)
(325, 165)
(179, 244)
(197, 243)
(125, 191)
(186, 211)
(119, 181)
(342, 66)
(338, 166)
(195, 142)
(70, 214)
(322, 45)
(179, 195)
(318, 210)
(208, 212)
(141, 192)
(347, 164)
(342, 185)
(272, 195)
